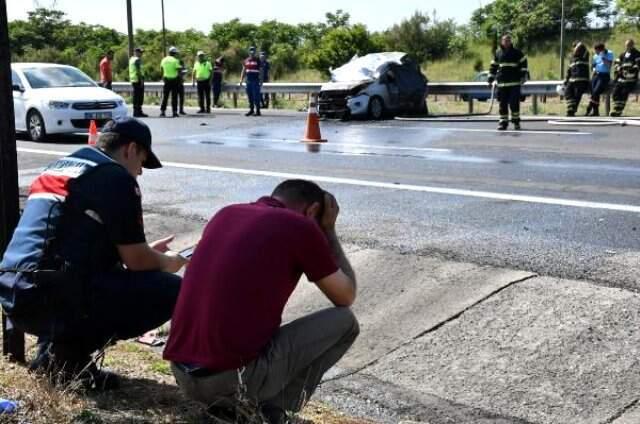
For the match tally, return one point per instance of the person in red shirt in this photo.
(106, 73)
(226, 336)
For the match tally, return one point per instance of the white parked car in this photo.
(53, 99)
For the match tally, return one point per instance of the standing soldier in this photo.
(170, 74)
(251, 69)
(265, 67)
(136, 77)
(106, 73)
(602, 60)
(202, 71)
(218, 72)
(509, 69)
(577, 81)
(626, 76)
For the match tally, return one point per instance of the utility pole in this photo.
(164, 31)
(562, 42)
(12, 339)
(130, 27)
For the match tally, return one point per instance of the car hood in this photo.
(344, 86)
(365, 68)
(75, 94)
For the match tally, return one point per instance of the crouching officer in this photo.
(78, 272)
(627, 67)
(509, 69)
(577, 80)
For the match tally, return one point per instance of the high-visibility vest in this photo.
(135, 69)
(170, 67)
(202, 70)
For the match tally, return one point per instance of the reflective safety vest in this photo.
(252, 68)
(32, 246)
(202, 70)
(627, 66)
(135, 69)
(170, 67)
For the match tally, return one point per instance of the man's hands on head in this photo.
(330, 214)
(339, 287)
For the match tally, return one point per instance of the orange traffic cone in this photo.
(93, 134)
(312, 133)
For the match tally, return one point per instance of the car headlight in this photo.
(120, 102)
(58, 105)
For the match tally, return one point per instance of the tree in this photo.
(338, 19)
(530, 20)
(630, 10)
(339, 45)
(421, 36)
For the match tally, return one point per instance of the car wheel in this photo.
(35, 126)
(376, 108)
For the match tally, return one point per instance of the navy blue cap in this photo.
(132, 129)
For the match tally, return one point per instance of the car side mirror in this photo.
(17, 87)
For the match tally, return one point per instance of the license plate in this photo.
(97, 115)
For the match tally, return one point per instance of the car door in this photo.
(18, 101)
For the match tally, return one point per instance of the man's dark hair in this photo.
(299, 192)
(110, 142)
(598, 46)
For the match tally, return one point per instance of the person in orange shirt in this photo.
(106, 73)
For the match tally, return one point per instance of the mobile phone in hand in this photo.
(187, 253)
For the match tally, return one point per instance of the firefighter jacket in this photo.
(509, 67)
(579, 68)
(627, 66)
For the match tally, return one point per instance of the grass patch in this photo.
(148, 395)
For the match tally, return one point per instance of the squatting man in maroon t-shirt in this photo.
(226, 336)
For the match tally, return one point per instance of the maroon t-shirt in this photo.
(241, 275)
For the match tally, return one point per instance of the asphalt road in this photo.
(559, 201)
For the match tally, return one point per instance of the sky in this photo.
(200, 14)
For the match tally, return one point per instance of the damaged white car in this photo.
(374, 86)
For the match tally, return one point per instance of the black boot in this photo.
(589, 109)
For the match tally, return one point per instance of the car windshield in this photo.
(53, 77)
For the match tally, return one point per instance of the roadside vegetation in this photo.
(306, 52)
(148, 395)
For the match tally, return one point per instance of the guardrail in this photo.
(531, 88)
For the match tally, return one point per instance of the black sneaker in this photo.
(516, 126)
(250, 113)
(201, 111)
(258, 113)
(502, 127)
(143, 115)
(175, 115)
(163, 115)
(182, 112)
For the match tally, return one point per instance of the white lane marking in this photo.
(392, 186)
(301, 143)
(475, 130)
